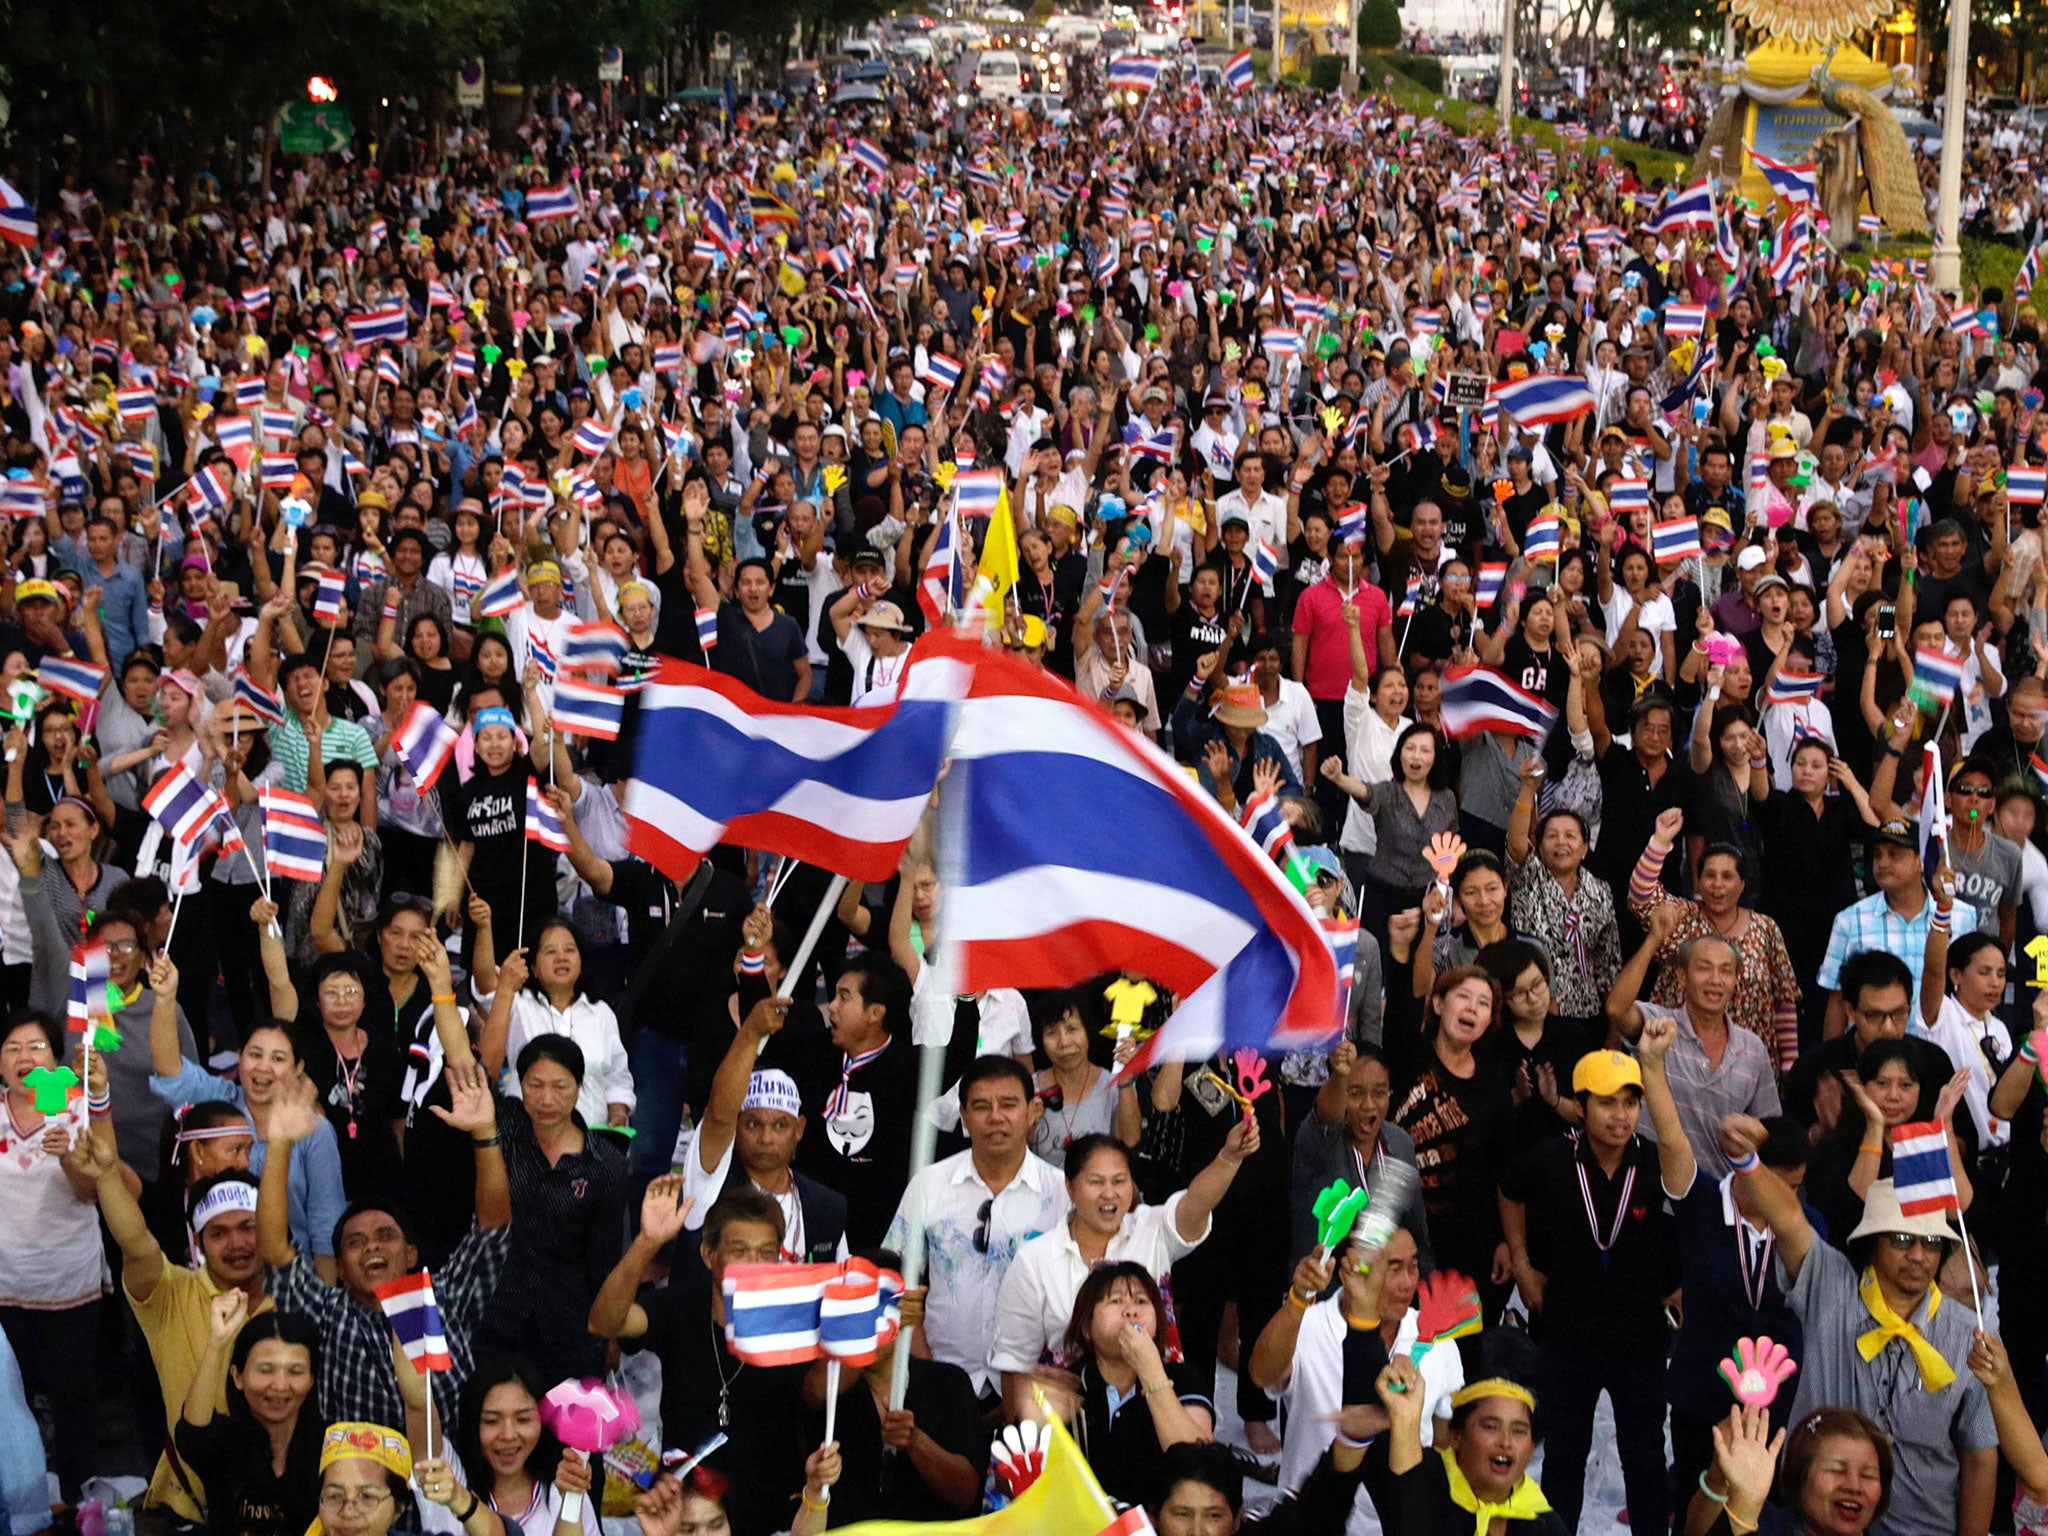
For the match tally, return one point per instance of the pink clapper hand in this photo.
(1251, 1074)
(1757, 1369)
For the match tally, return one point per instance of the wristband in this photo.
(1362, 1325)
(1939, 922)
(1870, 1146)
(103, 1105)
(485, 1141)
(1749, 1162)
(1361, 1445)
(2028, 1054)
(1152, 1392)
(437, 997)
(811, 1503)
(1295, 1300)
(753, 962)
(476, 1503)
(1718, 1498)
(1759, 762)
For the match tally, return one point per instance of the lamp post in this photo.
(1504, 105)
(1948, 250)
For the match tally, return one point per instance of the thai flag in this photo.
(1350, 527)
(1493, 576)
(208, 489)
(426, 742)
(1936, 675)
(1922, 1175)
(1626, 496)
(1421, 435)
(588, 709)
(1237, 74)
(942, 372)
(500, 596)
(259, 698)
(387, 324)
(868, 154)
(294, 839)
(21, 498)
(280, 424)
(707, 631)
(1869, 223)
(249, 391)
(1678, 539)
(592, 437)
(858, 1312)
(595, 647)
(1792, 262)
(237, 438)
(718, 225)
(840, 788)
(1134, 72)
(2026, 487)
(462, 362)
(1262, 820)
(88, 999)
(1265, 565)
(1794, 687)
(1962, 321)
(1157, 879)
(2030, 270)
(17, 218)
(668, 358)
(1544, 399)
(772, 1311)
(327, 599)
(415, 1317)
(1426, 322)
(278, 471)
(1545, 540)
(1692, 208)
(1145, 443)
(256, 300)
(1479, 699)
(543, 656)
(543, 826)
(1798, 184)
(75, 679)
(1281, 341)
(978, 492)
(550, 203)
(1685, 319)
(182, 803)
(1341, 934)
(937, 593)
(141, 458)
(1411, 597)
(136, 404)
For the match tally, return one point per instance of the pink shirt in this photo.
(1319, 616)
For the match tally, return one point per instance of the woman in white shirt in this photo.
(1961, 986)
(1653, 614)
(1373, 721)
(555, 1004)
(517, 1464)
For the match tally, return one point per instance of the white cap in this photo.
(1750, 558)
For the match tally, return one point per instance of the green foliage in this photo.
(1424, 70)
(1325, 72)
(1379, 24)
(1672, 21)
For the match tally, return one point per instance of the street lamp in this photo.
(1948, 250)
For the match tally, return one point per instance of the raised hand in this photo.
(225, 1317)
(1660, 1033)
(471, 1107)
(1669, 824)
(1266, 777)
(1951, 1095)
(663, 1210)
(1746, 1453)
(1399, 1388)
(345, 844)
(296, 1113)
(1756, 1370)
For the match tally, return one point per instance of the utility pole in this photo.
(1279, 52)
(1948, 250)
(1504, 105)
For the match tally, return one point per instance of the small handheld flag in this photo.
(415, 1317)
(543, 826)
(1922, 1176)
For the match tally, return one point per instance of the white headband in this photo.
(772, 1090)
(226, 1197)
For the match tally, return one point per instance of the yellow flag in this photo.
(791, 284)
(1065, 1501)
(999, 555)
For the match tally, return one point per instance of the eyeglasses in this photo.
(336, 1500)
(1884, 1015)
(981, 1223)
(1906, 1242)
(1372, 1095)
(123, 947)
(1974, 791)
(25, 1048)
(341, 994)
(1535, 988)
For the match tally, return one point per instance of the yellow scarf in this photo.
(1525, 1503)
(1935, 1372)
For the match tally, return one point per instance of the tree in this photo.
(1379, 25)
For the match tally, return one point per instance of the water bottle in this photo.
(120, 1521)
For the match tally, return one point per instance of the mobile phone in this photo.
(1887, 621)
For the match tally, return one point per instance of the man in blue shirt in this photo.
(124, 597)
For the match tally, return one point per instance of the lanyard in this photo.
(1753, 1252)
(1628, 1187)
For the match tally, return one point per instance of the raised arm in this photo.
(721, 1120)
(1675, 1161)
(1765, 1197)
(142, 1257)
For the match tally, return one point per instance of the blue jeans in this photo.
(660, 1067)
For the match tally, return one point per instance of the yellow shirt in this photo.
(174, 1321)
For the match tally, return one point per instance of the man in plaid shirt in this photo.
(357, 1378)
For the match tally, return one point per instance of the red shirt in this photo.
(1319, 617)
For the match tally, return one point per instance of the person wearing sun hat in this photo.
(1882, 1338)
(1222, 738)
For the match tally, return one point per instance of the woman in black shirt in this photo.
(260, 1462)
(1133, 1407)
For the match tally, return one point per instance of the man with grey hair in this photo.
(1714, 1070)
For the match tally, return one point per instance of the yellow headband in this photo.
(386, 1447)
(1492, 1386)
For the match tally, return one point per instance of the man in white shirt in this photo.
(975, 1209)
(1290, 713)
(1300, 1356)
(1265, 513)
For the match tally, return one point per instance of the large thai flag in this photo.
(81, 680)
(1134, 72)
(415, 1317)
(1479, 699)
(183, 804)
(294, 840)
(1237, 74)
(550, 203)
(1692, 208)
(1157, 878)
(426, 742)
(840, 788)
(787, 1314)
(1544, 399)
(1922, 1175)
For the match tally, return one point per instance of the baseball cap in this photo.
(1606, 1072)
(1898, 833)
(1751, 558)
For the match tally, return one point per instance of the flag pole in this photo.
(827, 905)
(931, 1063)
(1969, 1260)
(177, 906)
(831, 1407)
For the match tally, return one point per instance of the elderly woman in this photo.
(1553, 898)
(1837, 1476)
(1766, 1000)
(365, 1481)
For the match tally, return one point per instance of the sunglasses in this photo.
(981, 1225)
(1906, 1242)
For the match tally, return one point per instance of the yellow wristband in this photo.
(1294, 1300)
(810, 1503)
(438, 998)
(1363, 1325)
(1872, 1147)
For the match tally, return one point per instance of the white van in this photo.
(999, 76)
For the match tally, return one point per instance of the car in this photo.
(998, 76)
(917, 48)
(1922, 132)
(1003, 13)
(1052, 108)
